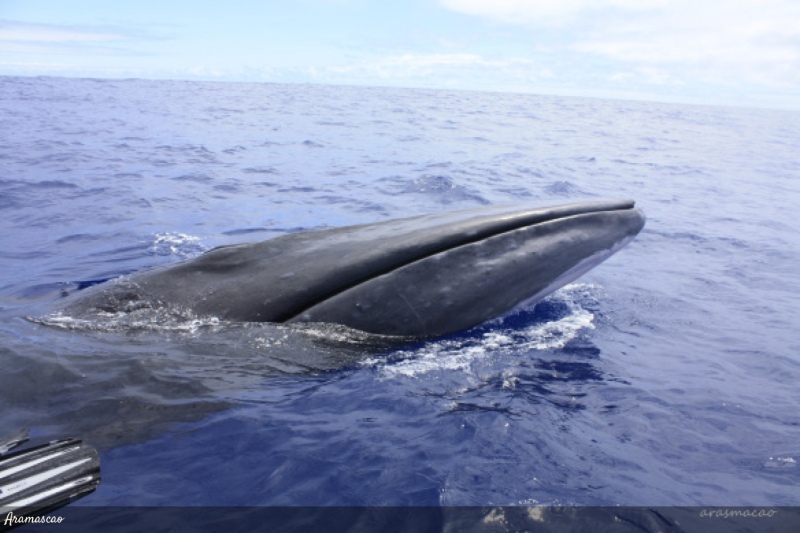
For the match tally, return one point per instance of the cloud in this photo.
(20, 32)
(545, 12)
(458, 70)
(416, 63)
(668, 41)
(74, 50)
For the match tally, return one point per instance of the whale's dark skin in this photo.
(417, 277)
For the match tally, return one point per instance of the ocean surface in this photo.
(669, 375)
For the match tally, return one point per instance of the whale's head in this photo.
(484, 264)
(417, 277)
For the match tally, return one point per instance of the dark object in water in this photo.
(418, 277)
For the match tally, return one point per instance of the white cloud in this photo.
(457, 70)
(416, 65)
(43, 33)
(205, 72)
(730, 43)
(752, 42)
(425, 61)
(73, 49)
(545, 12)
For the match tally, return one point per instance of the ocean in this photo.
(667, 376)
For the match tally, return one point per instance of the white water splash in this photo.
(165, 320)
(178, 244)
(462, 354)
(780, 463)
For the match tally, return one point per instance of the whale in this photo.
(418, 277)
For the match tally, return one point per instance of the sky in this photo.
(733, 52)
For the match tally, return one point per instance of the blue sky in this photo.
(732, 52)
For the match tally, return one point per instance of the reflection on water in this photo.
(120, 378)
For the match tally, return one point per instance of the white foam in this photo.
(170, 320)
(462, 354)
(781, 462)
(178, 244)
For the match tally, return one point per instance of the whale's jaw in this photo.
(465, 285)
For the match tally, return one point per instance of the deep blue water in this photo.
(667, 376)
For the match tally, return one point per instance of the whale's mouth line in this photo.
(493, 227)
